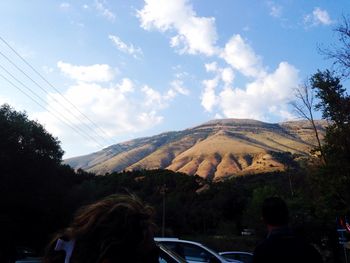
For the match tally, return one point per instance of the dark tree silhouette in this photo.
(340, 52)
(335, 106)
(33, 183)
(304, 106)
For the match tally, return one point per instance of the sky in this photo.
(100, 72)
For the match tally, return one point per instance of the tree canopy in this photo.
(339, 53)
(32, 179)
(22, 139)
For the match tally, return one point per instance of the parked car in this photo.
(248, 232)
(27, 255)
(29, 260)
(193, 252)
(166, 255)
(245, 257)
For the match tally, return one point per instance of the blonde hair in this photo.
(113, 227)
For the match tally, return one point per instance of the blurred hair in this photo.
(275, 211)
(111, 228)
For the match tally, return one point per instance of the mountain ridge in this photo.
(213, 150)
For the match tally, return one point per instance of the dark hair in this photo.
(275, 211)
(112, 228)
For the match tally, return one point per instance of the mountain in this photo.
(213, 150)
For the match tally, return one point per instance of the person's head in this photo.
(275, 212)
(118, 228)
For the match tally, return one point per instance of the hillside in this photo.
(213, 150)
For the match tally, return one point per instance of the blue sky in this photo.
(139, 68)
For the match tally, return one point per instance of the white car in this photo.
(166, 255)
(29, 260)
(245, 257)
(193, 252)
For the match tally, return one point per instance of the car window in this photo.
(197, 254)
(246, 258)
(166, 259)
(166, 255)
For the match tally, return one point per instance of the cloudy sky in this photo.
(106, 71)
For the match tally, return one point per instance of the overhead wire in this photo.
(52, 97)
(53, 87)
(61, 118)
(80, 131)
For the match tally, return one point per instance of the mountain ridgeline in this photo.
(213, 150)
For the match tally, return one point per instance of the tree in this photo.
(340, 54)
(304, 106)
(24, 140)
(333, 181)
(33, 183)
(335, 106)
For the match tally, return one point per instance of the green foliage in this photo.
(333, 180)
(332, 98)
(21, 139)
(34, 186)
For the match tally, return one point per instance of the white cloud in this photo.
(153, 97)
(116, 109)
(208, 97)
(47, 69)
(318, 17)
(119, 109)
(265, 97)
(93, 73)
(227, 76)
(178, 87)
(242, 57)
(275, 10)
(79, 24)
(211, 67)
(104, 11)
(126, 86)
(194, 34)
(129, 49)
(65, 5)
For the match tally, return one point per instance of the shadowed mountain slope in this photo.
(213, 150)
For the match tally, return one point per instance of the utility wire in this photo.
(133, 161)
(61, 118)
(46, 92)
(44, 79)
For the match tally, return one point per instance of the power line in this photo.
(46, 92)
(81, 132)
(44, 79)
(63, 119)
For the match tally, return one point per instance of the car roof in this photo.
(174, 239)
(235, 252)
(171, 254)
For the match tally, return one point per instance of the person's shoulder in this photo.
(262, 250)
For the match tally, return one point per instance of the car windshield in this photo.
(169, 256)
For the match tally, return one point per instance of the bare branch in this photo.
(340, 54)
(303, 106)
